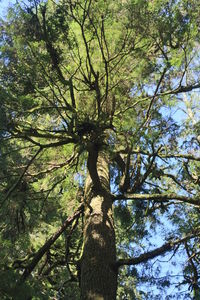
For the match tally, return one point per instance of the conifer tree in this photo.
(99, 169)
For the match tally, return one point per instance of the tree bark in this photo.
(98, 274)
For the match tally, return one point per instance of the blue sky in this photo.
(3, 5)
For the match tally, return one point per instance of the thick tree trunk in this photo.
(98, 276)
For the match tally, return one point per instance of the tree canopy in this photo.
(99, 150)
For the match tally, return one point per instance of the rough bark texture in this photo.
(98, 276)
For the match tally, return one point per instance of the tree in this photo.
(93, 163)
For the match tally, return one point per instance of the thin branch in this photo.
(179, 90)
(40, 253)
(160, 155)
(11, 190)
(176, 181)
(56, 144)
(155, 94)
(140, 182)
(154, 253)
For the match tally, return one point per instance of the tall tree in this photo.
(95, 161)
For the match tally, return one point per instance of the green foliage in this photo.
(110, 76)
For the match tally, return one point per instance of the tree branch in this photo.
(164, 197)
(154, 253)
(40, 253)
(11, 190)
(159, 154)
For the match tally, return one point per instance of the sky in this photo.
(4, 5)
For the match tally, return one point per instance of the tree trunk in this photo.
(98, 275)
(196, 292)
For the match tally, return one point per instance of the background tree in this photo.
(99, 172)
